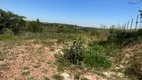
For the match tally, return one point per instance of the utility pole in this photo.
(136, 22)
(128, 25)
(140, 26)
(125, 26)
(131, 24)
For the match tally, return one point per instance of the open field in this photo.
(34, 50)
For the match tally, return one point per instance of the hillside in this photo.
(34, 50)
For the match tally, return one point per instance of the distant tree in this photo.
(35, 26)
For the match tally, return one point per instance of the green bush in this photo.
(95, 57)
(123, 38)
(7, 31)
(7, 34)
(7, 37)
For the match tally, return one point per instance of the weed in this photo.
(46, 78)
(47, 43)
(25, 68)
(26, 73)
(36, 66)
(77, 76)
(2, 56)
(59, 41)
(3, 66)
(60, 67)
(58, 77)
(36, 42)
(134, 71)
(95, 57)
(75, 53)
(52, 49)
(84, 79)
(30, 78)
(49, 62)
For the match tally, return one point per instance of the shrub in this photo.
(123, 38)
(95, 57)
(7, 31)
(75, 53)
(7, 34)
(134, 68)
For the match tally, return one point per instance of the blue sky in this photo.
(80, 12)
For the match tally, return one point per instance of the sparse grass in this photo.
(30, 78)
(60, 41)
(58, 77)
(2, 56)
(25, 68)
(49, 62)
(52, 49)
(26, 73)
(47, 42)
(36, 41)
(84, 79)
(46, 78)
(77, 76)
(60, 67)
(3, 66)
(36, 66)
(45, 71)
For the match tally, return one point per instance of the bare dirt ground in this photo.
(24, 60)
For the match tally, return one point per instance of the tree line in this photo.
(18, 24)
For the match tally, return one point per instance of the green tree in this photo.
(12, 21)
(35, 26)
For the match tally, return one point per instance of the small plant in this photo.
(3, 66)
(52, 49)
(46, 78)
(58, 77)
(30, 78)
(36, 42)
(134, 71)
(77, 76)
(26, 73)
(46, 42)
(84, 79)
(26, 68)
(36, 66)
(60, 41)
(2, 56)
